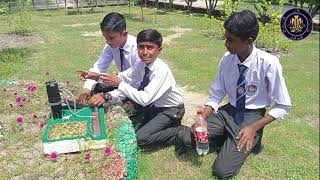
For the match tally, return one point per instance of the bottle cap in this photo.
(199, 112)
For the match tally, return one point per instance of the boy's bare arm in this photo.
(84, 75)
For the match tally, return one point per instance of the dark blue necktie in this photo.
(146, 79)
(122, 60)
(241, 95)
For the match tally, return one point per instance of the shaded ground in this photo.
(19, 40)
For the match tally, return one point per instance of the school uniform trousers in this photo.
(222, 132)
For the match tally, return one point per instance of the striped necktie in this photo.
(241, 95)
(121, 60)
(145, 81)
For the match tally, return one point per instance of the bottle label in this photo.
(202, 136)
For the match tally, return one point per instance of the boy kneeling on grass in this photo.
(252, 79)
(151, 85)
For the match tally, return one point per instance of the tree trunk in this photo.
(65, 4)
(141, 4)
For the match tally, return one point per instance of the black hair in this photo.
(242, 24)
(150, 35)
(113, 22)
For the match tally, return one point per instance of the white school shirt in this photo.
(264, 83)
(130, 58)
(161, 90)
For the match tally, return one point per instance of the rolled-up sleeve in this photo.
(217, 90)
(101, 66)
(278, 91)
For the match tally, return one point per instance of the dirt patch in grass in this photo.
(19, 40)
(192, 102)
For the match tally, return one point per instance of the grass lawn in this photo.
(291, 146)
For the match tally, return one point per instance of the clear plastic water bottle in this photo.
(202, 142)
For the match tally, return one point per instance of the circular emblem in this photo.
(240, 90)
(296, 24)
(252, 89)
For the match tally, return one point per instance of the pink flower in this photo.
(18, 99)
(53, 156)
(20, 120)
(46, 155)
(21, 106)
(107, 151)
(87, 157)
(23, 99)
(42, 125)
(32, 87)
(34, 116)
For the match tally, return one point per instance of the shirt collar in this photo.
(153, 65)
(247, 62)
(127, 46)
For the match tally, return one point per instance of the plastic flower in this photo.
(23, 99)
(107, 151)
(20, 120)
(42, 125)
(34, 116)
(53, 156)
(46, 155)
(18, 99)
(87, 157)
(32, 87)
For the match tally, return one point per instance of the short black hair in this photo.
(242, 24)
(113, 22)
(150, 35)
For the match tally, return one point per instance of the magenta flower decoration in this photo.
(18, 99)
(34, 116)
(20, 120)
(23, 99)
(107, 151)
(42, 125)
(53, 156)
(87, 157)
(21, 106)
(32, 87)
(46, 155)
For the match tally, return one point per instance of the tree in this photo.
(212, 5)
(189, 4)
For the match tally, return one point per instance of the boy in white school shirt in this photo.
(150, 83)
(252, 79)
(121, 47)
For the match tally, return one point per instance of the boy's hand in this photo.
(83, 97)
(97, 100)
(111, 79)
(246, 137)
(84, 75)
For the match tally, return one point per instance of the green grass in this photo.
(291, 147)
